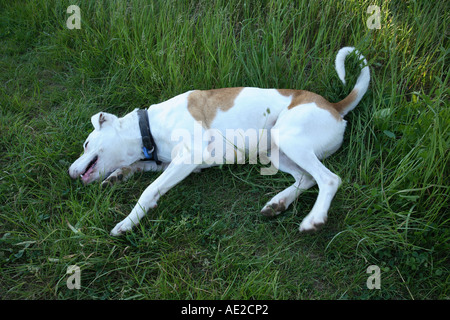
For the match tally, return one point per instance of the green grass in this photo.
(206, 239)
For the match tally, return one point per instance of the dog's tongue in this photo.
(85, 177)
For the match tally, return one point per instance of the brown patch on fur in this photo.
(302, 97)
(203, 104)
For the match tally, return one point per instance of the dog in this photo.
(302, 128)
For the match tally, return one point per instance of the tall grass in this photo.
(206, 238)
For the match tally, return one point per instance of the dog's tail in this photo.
(351, 101)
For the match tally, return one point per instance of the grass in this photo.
(206, 239)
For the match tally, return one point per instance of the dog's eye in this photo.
(86, 144)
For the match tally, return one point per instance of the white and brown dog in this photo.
(302, 127)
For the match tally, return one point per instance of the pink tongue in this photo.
(88, 173)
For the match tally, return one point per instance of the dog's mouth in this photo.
(89, 170)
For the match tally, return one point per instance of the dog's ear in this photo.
(102, 119)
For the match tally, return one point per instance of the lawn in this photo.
(206, 239)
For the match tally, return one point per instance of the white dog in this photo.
(302, 128)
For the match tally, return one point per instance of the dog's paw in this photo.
(273, 209)
(312, 222)
(118, 175)
(122, 227)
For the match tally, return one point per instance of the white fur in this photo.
(362, 83)
(305, 134)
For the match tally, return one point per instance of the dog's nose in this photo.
(71, 174)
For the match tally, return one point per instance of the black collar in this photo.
(149, 146)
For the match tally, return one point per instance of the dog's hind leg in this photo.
(282, 200)
(328, 184)
(305, 134)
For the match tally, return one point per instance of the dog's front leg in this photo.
(175, 172)
(124, 173)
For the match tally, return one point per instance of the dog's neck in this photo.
(131, 135)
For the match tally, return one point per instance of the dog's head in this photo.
(106, 149)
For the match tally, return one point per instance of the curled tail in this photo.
(351, 101)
